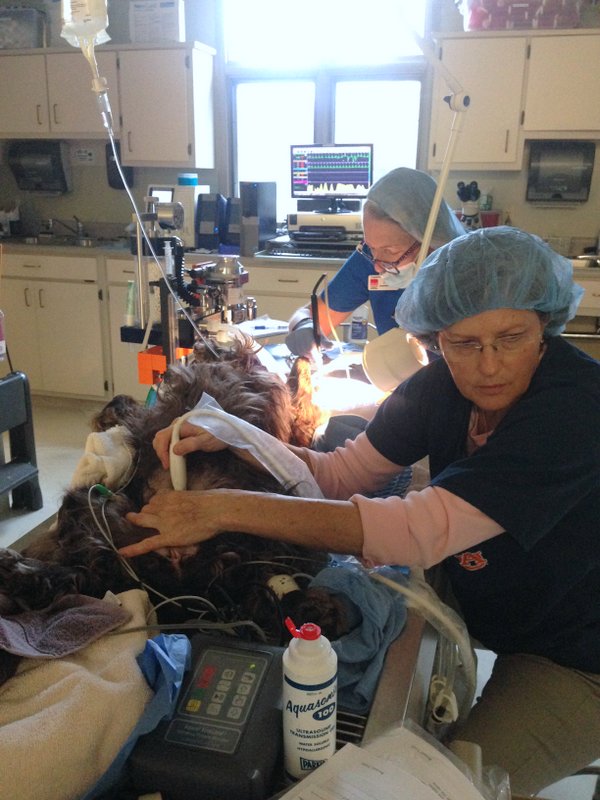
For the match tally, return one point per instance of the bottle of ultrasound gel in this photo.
(309, 700)
(359, 325)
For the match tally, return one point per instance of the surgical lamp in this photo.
(396, 355)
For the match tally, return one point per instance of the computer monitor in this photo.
(336, 172)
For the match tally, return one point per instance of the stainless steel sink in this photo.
(592, 259)
(57, 241)
(73, 241)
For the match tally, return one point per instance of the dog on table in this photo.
(229, 578)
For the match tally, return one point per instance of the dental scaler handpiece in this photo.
(309, 700)
(2, 339)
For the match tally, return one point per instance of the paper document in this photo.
(263, 327)
(424, 761)
(404, 767)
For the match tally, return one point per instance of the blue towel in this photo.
(380, 615)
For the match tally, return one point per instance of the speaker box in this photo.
(232, 222)
(211, 220)
(258, 224)
(112, 172)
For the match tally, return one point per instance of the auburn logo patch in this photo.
(471, 561)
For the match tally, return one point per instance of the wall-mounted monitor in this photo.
(336, 171)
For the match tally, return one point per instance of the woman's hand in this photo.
(191, 438)
(181, 518)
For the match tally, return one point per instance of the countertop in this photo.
(120, 248)
(66, 246)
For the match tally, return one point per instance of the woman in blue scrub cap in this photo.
(395, 216)
(509, 417)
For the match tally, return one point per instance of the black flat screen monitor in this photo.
(336, 172)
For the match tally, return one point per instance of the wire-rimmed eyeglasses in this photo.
(510, 345)
(388, 266)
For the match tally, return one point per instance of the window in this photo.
(270, 116)
(273, 34)
(388, 118)
(323, 71)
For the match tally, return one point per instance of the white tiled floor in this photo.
(61, 427)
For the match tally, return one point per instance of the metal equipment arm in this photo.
(458, 102)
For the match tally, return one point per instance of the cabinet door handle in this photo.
(288, 280)
(54, 114)
(129, 147)
(26, 297)
(38, 113)
(31, 266)
(127, 272)
(506, 139)
(41, 298)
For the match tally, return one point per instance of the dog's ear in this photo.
(28, 584)
(119, 411)
(307, 416)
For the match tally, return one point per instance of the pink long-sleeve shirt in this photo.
(419, 530)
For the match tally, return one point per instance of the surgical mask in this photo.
(400, 279)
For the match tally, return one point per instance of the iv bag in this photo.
(84, 19)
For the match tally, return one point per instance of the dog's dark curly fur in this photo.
(231, 570)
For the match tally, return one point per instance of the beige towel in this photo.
(63, 721)
(107, 459)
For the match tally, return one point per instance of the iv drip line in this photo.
(100, 88)
(152, 251)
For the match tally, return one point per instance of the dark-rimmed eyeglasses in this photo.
(388, 266)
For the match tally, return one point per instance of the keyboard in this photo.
(310, 252)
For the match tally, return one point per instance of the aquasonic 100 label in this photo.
(309, 700)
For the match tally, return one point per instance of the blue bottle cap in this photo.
(187, 179)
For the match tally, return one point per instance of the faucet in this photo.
(79, 231)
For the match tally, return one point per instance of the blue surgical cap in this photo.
(487, 269)
(406, 196)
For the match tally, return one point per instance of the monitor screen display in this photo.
(164, 194)
(335, 170)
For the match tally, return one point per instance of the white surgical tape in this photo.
(273, 455)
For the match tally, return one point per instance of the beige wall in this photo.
(93, 200)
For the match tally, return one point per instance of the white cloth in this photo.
(106, 459)
(272, 454)
(63, 721)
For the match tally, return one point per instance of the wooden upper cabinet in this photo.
(23, 96)
(563, 85)
(491, 72)
(73, 105)
(167, 107)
